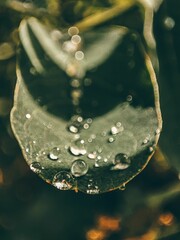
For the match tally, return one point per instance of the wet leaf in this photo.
(86, 114)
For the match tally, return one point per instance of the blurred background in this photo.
(148, 209)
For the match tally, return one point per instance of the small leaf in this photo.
(91, 122)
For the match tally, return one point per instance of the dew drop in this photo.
(78, 148)
(73, 31)
(79, 55)
(129, 98)
(86, 126)
(146, 140)
(114, 130)
(28, 116)
(54, 154)
(36, 167)
(121, 162)
(157, 131)
(73, 129)
(76, 39)
(75, 83)
(79, 168)
(92, 188)
(111, 140)
(92, 155)
(122, 187)
(63, 180)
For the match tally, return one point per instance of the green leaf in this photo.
(92, 123)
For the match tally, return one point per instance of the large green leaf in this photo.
(89, 124)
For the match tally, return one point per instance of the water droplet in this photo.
(79, 55)
(87, 82)
(146, 140)
(73, 31)
(157, 131)
(114, 130)
(79, 168)
(129, 98)
(117, 128)
(169, 23)
(96, 164)
(111, 140)
(36, 167)
(78, 148)
(92, 155)
(89, 120)
(105, 160)
(151, 149)
(54, 154)
(76, 39)
(92, 188)
(75, 83)
(121, 162)
(86, 126)
(122, 187)
(63, 180)
(28, 116)
(73, 129)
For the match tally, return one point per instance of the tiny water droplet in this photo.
(63, 180)
(79, 55)
(54, 154)
(105, 160)
(92, 155)
(157, 131)
(28, 116)
(75, 83)
(96, 164)
(114, 130)
(73, 129)
(77, 148)
(92, 188)
(122, 187)
(169, 23)
(104, 133)
(89, 120)
(73, 31)
(111, 140)
(79, 168)
(145, 141)
(121, 162)
(86, 126)
(76, 39)
(129, 98)
(151, 149)
(36, 167)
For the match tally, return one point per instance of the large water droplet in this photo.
(79, 168)
(54, 154)
(63, 180)
(36, 167)
(121, 162)
(78, 148)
